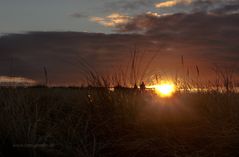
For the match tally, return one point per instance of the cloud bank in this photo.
(67, 55)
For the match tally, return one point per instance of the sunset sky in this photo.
(59, 34)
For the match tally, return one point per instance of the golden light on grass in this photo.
(165, 89)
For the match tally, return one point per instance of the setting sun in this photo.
(164, 89)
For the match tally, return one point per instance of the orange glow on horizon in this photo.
(165, 89)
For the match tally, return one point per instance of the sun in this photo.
(164, 89)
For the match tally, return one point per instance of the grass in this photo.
(82, 122)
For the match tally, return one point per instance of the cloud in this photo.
(203, 40)
(141, 23)
(192, 6)
(124, 5)
(215, 6)
(215, 19)
(206, 34)
(78, 15)
(204, 5)
(111, 20)
(68, 55)
(6, 80)
(153, 14)
(227, 9)
(172, 3)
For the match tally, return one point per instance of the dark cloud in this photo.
(67, 55)
(139, 23)
(200, 24)
(213, 36)
(227, 9)
(203, 5)
(215, 6)
(124, 5)
(78, 15)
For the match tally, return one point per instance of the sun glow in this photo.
(164, 89)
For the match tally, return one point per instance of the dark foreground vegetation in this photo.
(66, 122)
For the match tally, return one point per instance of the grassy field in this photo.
(100, 123)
